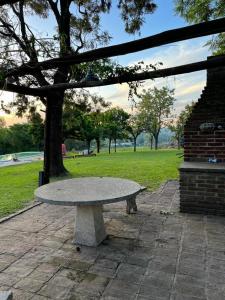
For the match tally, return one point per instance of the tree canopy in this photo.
(82, 120)
(177, 124)
(134, 127)
(115, 124)
(155, 106)
(204, 10)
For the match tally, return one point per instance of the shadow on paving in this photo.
(155, 254)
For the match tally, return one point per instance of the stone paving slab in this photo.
(156, 254)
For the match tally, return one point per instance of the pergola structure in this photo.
(167, 37)
(164, 38)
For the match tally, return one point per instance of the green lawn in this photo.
(149, 168)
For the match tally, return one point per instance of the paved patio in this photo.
(155, 254)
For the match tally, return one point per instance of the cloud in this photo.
(190, 89)
(187, 87)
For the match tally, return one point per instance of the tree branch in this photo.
(5, 34)
(30, 48)
(11, 31)
(166, 37)
(55, 10)
(81, 43)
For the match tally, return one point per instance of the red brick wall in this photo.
(202, 192)
(210, 108)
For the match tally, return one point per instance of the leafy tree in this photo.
(37, 130)
(155, 107)
(77, 27)
(97, 123)
(204, 10)
(19, 138)
(22, 137)
(5, 146)
(83, 120)
(96, 116)
(135, 127)
(177, 125)
(115, 125)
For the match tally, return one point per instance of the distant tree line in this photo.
(22, 137)
(92, 119)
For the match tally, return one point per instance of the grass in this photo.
(149, 168)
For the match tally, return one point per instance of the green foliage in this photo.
(21, 137)
(154, 108)
(217, 44)
(115, 123)
(132, 13)
(107, 69)
(36, 130)
(177, 125)
(83, 119)
(196, 11)
(135, 127)
(17, 183)
(5, 145)
(80, 30)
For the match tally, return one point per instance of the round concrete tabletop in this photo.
(87, 191)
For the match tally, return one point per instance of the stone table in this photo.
(89, 194)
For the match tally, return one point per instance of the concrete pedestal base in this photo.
(89, 225)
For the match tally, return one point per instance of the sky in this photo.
(187, 87)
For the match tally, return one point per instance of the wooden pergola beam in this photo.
(213, 62)
(183, 69)
(166, 37)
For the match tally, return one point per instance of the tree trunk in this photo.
(109, 145)
(151, 141)
(156, 141)
(47, 144)
(53, 164)
(98, 145)
(89, 146)
(135, 143)
(178, 143)
(114, 145)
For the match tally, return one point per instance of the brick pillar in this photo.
(201, 190)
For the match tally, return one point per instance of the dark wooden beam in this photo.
(213, 62)
(166, 37)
